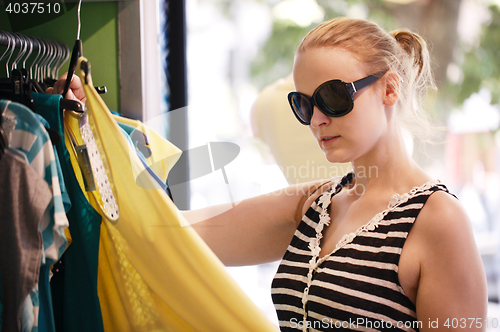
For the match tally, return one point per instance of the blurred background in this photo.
(239, 58)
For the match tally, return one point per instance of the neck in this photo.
(389, 166)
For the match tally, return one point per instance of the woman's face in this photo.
(346, 138)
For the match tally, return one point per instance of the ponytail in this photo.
(418, 80)
(415, 47)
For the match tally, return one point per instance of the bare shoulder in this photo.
(452, 282)
(443, 210)
(444, 229)
(315, 190)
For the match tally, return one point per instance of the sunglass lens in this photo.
(334, 99)
(301, 107)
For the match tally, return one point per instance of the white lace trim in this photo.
(324, 220)
(110, 207)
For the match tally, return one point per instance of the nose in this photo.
(319, 118)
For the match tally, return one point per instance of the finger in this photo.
(71, 95)
(76, 87)
(59, 85)
(75, 90)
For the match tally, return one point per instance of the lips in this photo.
(327, 140)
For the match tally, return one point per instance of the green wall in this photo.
(99, 34)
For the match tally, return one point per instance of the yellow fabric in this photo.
(68, 236)
(164, 154)
(155, 274)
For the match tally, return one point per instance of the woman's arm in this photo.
(254, 231)
(452, 292)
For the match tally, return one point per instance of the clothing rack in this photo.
(49, 55)
(19, 39)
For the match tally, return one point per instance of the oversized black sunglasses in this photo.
(334, 98)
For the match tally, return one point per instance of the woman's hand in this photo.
(75, 91)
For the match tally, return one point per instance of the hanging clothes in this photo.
(24, 197)
(27, 137)
(155, 273)
(1, 296)
(25, 133)
(156, 153)
(3, 143)
(75, 300)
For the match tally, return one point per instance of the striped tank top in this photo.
(356, 287)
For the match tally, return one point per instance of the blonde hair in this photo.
(401, 51)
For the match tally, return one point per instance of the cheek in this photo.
(369, 111)
(365, 124)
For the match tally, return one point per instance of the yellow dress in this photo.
(155, 273)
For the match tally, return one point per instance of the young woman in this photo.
(386, 247)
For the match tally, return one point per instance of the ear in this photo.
(392, 83)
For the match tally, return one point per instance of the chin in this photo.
(335, 158)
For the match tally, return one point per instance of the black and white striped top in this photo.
(356, 287)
